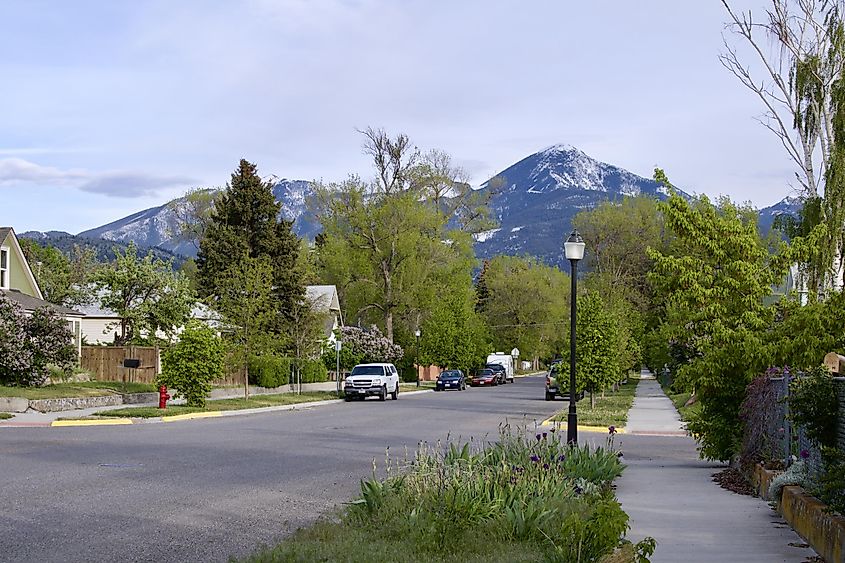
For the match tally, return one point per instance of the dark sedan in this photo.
(451, 379)
(485, 377)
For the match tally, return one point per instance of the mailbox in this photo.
(132, 363)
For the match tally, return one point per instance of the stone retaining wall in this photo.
(71, 403)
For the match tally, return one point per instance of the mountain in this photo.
(155, 227)
(104, 249)
(533, 201)
(786, 206)
(536, 199)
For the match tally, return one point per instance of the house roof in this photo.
(30, 303)
(199, 311)
(324, 297)
(4, 236)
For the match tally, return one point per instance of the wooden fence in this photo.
(106, 364)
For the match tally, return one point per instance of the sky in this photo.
(108, 108)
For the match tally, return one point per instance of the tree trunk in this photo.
(592, 400)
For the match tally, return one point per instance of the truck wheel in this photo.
(395, 394)
(383, 395)
(347, 398)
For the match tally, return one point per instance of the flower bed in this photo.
(523, 498)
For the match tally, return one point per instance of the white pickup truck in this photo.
(371, 379)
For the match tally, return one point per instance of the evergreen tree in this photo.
(246, 222)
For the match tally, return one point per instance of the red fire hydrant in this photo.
(162, 397)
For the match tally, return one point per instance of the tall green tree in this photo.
(454, 336)
(714, 280)
(618, 235)
(247, 304)
(245, 223)
(63, 280)
(597, 354)
(527, 305)
(146, 293)
(388, 243)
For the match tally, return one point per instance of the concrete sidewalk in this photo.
(669, 495)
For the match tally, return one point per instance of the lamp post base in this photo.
(572, 428)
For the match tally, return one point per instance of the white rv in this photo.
(504, 360)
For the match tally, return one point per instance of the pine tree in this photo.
(246, 222)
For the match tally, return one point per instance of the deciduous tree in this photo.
(145, 293)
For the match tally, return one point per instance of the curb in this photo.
(191, 416)
(180, 417)
(561, 424)
(105, 422)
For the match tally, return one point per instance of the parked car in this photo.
(506, 361)
(451, 379)
(557, 383)
(372, 379)
(500, 372)
(486, 377)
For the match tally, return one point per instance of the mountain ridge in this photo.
(534, 201)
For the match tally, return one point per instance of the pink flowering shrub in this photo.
(29, 344)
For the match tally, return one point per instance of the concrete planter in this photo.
(761, 479)
(807, 515)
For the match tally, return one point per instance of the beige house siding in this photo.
(99, 330)
(18, 278)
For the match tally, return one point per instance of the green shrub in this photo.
(314, 371)
(190, 365)
(269, 370)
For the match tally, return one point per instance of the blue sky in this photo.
(112, 107)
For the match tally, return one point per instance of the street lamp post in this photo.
(417, 354)
(574, 250)
(337, 347)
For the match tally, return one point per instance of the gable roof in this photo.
(324, 297)
(30, 303)
(8, 234)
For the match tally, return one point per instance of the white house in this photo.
(100, 326)
(324, 299)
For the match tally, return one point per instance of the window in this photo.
(4, 268)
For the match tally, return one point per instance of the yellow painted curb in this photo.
(562, 424)
(106, 422)
(178, 417)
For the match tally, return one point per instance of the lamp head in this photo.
(417, 333)
(574, 246)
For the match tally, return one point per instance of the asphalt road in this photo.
(205, 490)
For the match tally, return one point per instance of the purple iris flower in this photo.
(535, 458)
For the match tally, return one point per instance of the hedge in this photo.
(275, 371)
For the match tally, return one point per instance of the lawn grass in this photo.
(84, 389)
(679, 400)
(254, 402)
(5, 415)
(612, 410)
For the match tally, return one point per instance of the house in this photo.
(19, 284)
(324, 300)
(100, 326)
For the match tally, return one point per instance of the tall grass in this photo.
(526, 497)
